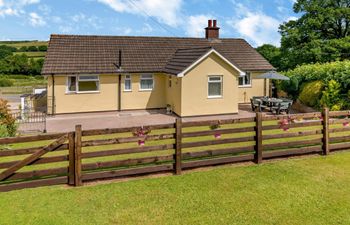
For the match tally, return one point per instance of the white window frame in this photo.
(221, 81)
(68, 84)
(147, 78)
(244, 84)
(127, 78)
(78, 78)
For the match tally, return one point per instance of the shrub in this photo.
(3, 131)
(32, 49)
(338, 71)
(331, 96)
(4, 82)
(18, 76)
(6, 119)
(311, 93)
(42, 48)
(23, 49)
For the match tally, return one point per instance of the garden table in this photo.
(271, 102)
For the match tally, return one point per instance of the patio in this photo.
(67, 122)
(101, 120)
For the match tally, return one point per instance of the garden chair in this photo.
(257, 105)
(282, 107)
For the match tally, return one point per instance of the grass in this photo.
(25, 43)
(35, 55)
(22, 84)
(311, 190)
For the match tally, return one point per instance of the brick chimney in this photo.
(212, 31)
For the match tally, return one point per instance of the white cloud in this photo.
(164, 11)
(195, 25)
(83, 20)
(254, 25)
(35, 20)
(259, 28)
(14, 7)
(146, 28)
(8, 12)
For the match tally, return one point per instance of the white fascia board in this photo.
(241, 73)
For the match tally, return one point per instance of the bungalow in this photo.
(192, 76)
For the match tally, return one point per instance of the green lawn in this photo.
(309, 190)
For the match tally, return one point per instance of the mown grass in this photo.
(308, 191)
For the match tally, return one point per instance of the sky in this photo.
(257, 21)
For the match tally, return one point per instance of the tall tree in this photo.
(271, 53)
(321, 34)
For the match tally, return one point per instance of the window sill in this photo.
(145, 90)
(215, 97)
(127, 90)
(244, 86)
(82, 92)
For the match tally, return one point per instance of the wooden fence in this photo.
(86, 155)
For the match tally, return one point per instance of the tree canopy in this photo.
(321, 34)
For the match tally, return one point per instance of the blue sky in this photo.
(255, 20)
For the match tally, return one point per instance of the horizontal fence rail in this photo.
(86, 155)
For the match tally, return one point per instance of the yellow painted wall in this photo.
(137, 99)
(105, 100)
(256, 89)
(194, 96)
(188, 96)
(173, 93)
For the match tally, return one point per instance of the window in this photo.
(244, 80)
(72, 84)
(214, 86)
(83, 83)
(146, 82)
(88, 83)
(127, 83)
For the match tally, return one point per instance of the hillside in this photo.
(33, 49)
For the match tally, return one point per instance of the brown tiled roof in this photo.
(183, 58)
(69, 54)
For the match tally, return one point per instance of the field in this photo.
(19, 44)
(22, 84)
(35, 55)
(311, 190)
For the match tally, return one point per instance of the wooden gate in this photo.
(12, 178)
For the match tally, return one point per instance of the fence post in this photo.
(71, 157)
(258, 138)
(325, 131)
(77, 156)
(178, 140)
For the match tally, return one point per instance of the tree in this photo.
(6, 51)
(32, 49)
(18, 64)
(6, 120)
(321, 34)
(23, 49)
(42, 48)
(271, 53)
(36, 66)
